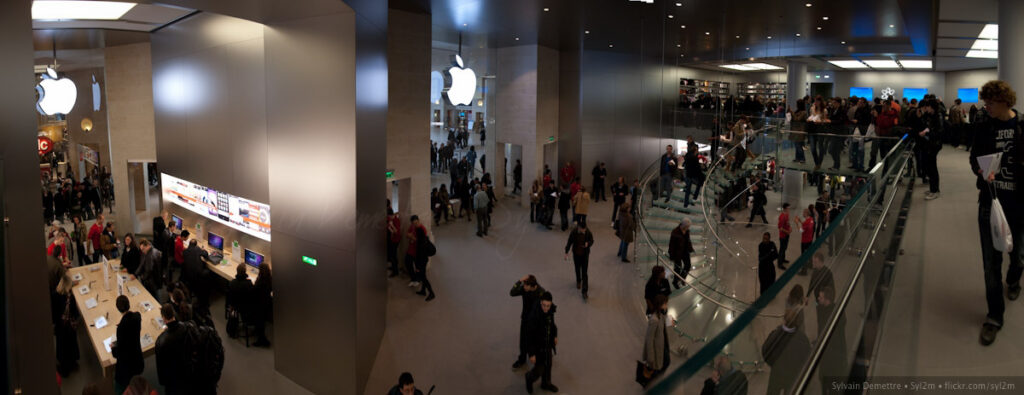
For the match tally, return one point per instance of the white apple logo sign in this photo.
(463, 83)
(56, 95)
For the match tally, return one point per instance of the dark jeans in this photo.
(482, 222)
(857, 153)
(799, 148)
(836, 151)
(681, 267)
(565, 218)
(421, 274)
(541, 369)
(766, 275)
(522, 341)
(623, 249)
(783, 245)
(580, 219)
(615, 210)
(533, 209)
(599, 191)
(698, 181)
(80, 253)
(931, 170)
(393, 256)
(818, 147)
(665, 185)
(409, 268)
(582, 263)
(757, 211)
(993, 260)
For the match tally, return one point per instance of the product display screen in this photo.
(243, 214)
(967, 95)
(215, 241)
(914, 93)
(253, 258)
(180, 223)
(867, 93)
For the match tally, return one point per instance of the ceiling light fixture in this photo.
(517, 38)
(737, 36)
(882, 64)
(849, 64)
(739, 67)
(679, 4)
(990, 31)
(682, 26)
(916, 64)
(843, 42)
(610, 46)
(819, 27)
(824, 18)
(679, 45)
(808, 4)
(748, 48)
(798, 34)
(986, 45)
(769, 37)
(763, 66)
(982, 54)
(892, 26)
(707, 33)
(546, 9)
(670, 16)
(80, 10)
(586, 32)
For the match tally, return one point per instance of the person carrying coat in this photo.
(656, 351)
(679, 249)
(528, 288)
(541, 343)
(580, 241)
(625, 231)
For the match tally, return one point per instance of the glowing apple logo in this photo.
(463, 83)
(56, 95)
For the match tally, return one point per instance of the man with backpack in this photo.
(189, 358)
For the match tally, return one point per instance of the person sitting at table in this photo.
(130, 254)
(127, 348)
(149, 270)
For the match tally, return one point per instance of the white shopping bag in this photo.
(1002, 239)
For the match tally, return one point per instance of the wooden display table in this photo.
(89, 278)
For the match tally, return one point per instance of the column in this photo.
(1011, 51)
(26, 307)
(796, 82)
(516, 107)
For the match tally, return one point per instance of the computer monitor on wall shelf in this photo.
(215, 241)
(253, 258)
(178, 221)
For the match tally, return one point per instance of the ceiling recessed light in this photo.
(682, 26)
(974, 53)
(83, 10)
(679, 4)
(670, 16)
(990, 31)
(737, 36)
(843, 42)
(707, 33)
(849, 64)
(465, 24)
(740, 67)
(769, 37)
(882, 64)
(681, 55)
(916, 64)
(517, 38)
(988, 45)
(824, 18)
(586, 32)
(819, 27)
(610, 46)
(892, 26)
(748, 48)
(679, 46)
(763, 66)
(808, 4)
(798, 34)
(546, 9)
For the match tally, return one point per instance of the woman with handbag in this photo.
(656, 355)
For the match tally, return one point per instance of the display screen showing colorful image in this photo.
(243, 214)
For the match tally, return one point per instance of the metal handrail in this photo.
(826, 336)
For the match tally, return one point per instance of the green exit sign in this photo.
(551, 138)
(389, 174)
(311, 261)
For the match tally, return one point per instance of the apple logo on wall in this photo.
(463, 83)
(56, 95)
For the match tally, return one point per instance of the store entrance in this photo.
(143, 196)
(823, 89)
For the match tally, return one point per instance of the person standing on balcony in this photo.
(786, 350)
(667, 168)
(679, 249)
(999, 130)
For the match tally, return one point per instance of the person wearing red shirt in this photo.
(94, 235)
(784, 231)
(807, 233)
(574, 188)
(416, 260)
(394, 236)
(568, 173)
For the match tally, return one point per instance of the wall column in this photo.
(796, 83)
(1011, 52)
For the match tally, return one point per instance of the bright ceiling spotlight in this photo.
(824, 18)
(79, 10)
(916, 64)
(849, 64)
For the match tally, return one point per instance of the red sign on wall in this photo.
(45, 145)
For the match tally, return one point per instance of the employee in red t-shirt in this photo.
(784, 230)
(94, 235)
(807, 233)
(394, 237)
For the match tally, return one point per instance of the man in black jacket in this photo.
(821, 276)
(999, 130)
(150, 271)
(127, 348)
(694, 174)
(929, 137)
(240, 291)
(834, 367)
(758, 205)
(580, 241)
(861, 120)
(517, 177)
(528, 288)
(786, 350)
(194, 271)
(171, 358)
(541, 343)
(679, 249)
(600, 174)
(619, 192)
(564, 204)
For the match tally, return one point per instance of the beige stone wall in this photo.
(129, 101)
(408, 120)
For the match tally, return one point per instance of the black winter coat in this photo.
(171, 359)
(128, 350)
(530, 299)
(541, 330)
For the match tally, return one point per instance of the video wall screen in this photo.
(867, 93)
(967, 95)
(239, 213)
(914, 93)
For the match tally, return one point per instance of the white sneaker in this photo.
(931, 196)
(412, 283)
